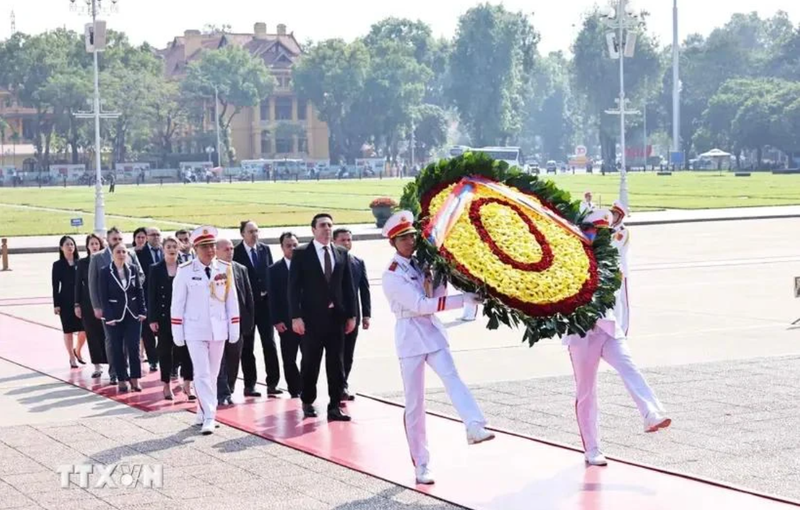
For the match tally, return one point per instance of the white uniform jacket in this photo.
(204, 309)
(615, 324)
(417, 331)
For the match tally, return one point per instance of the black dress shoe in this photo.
(251, 392)
(337, 415)
(346, 395)
(309, 411)
(295, 395)
(273, 391)
(229, 401)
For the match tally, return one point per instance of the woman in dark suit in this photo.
(95, 336)
(159, 303)
(63, 279)
(122, 297)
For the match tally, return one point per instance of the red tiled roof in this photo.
(279, 51)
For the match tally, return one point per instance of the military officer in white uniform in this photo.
(205, 314)
(420, 338)
(607, 341)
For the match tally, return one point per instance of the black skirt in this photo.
(69, 322)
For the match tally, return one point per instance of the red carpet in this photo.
(509, 473)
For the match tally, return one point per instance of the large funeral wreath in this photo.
(529, 263)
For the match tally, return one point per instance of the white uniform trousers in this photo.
(206, 358)
(413, 372)
(585, 362)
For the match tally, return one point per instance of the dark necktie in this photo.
(208, 272)
(328, 264)
(254, 258)
(157, 255)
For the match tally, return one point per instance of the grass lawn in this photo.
(294, 203)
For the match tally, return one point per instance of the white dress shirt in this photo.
(288, 263)
(321, 255)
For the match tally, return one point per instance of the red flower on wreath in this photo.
(547, 252)
(565, 306)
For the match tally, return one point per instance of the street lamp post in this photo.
(216, 121)
(676, 83)
(622, 22)
(93, 7)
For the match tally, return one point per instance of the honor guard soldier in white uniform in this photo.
(205, 314)
(607, 340)
(420, 338)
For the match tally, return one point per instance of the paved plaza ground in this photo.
(711, 327)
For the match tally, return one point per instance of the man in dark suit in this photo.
(257, 258)
(151, 253)
(344, 238)
(229, 369)
(279, 310)
(323, 308)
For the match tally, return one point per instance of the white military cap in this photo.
(203, 235)
(401, 223)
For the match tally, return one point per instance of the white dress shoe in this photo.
(208, 427)
(655, 421)
(478, 434)
(595, 458)
(424, 475)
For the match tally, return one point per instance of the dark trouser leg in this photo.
(267, 334)
(349, 351)
(223, 390)
(110, 351)
(187, 369)
(290, 343)
(165, 350)
(133, 332)
(116, 340)
(149, 341)
(249, 360)
(311, 345)
(233, 354)
(334, 361)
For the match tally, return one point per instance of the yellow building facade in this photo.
(283, 125)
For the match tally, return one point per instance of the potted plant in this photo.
(382, 210)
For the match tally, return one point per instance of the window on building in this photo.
(264, 107)
(283, 108)
(266, 142)
(283, 145)
(27, 129)
(302, 106)
(302, 145)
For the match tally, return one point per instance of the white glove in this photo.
(471, 299)
(179, 343)
(233, 341)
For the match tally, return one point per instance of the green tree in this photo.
(430, 130)
(394, 88)
(240, 79)
(596, 76)
(170, 112)
(332, 75)
(490, 65)
(68, 92)
(29, 62)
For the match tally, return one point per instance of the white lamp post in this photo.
(676, 83)
(623, 21)
(95, 43)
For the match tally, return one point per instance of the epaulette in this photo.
(393, 266)
(188, 262)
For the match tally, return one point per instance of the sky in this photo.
(158, 21)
